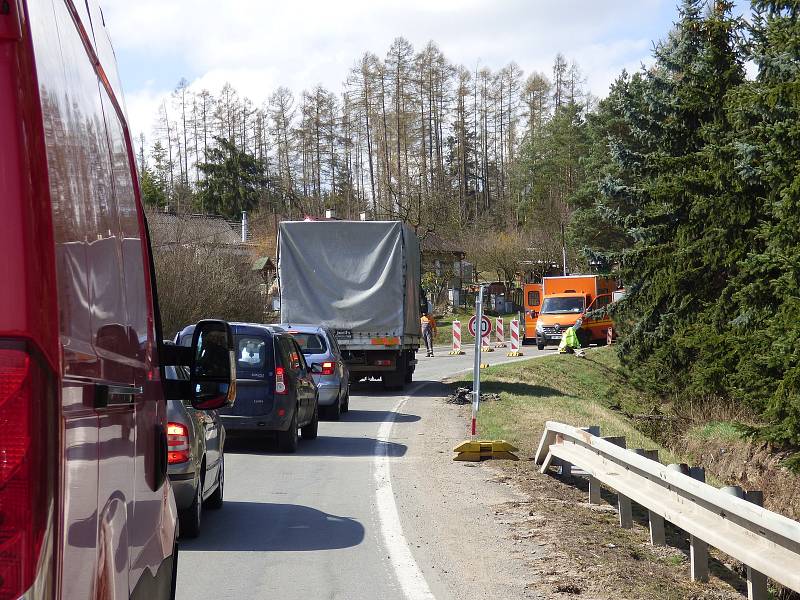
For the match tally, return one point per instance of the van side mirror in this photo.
(212, 375)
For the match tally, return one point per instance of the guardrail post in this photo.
(651, 454)
(657, 535)
(594, 490)
(625, 511)
(698, 554)
(698, 549)
(756, 581)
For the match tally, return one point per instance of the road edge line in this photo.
(406, 569)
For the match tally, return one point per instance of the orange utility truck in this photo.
(567, 298)
(533, 304)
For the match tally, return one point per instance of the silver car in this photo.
(196, 459)
(328, 369)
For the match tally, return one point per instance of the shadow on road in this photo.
(322, 446)
(267, 527)
(377, 416)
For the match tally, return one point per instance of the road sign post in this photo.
(476, 363)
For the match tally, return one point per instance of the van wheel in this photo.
(539, 345)
(288, 440)
(190, 518)
(214, 501)
(309, 432)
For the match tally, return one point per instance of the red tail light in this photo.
(280, 381)
(178, 450)
(26, 474)
(328, 367)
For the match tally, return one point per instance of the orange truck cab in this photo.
(565, 299)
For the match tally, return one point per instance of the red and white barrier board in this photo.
(499, 333)
(515, 343)
(456, 339)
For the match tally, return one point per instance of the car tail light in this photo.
(328, 367)
(178, 450)
(280, 381)
(26, 467)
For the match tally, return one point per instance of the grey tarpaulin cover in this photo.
(357, 275)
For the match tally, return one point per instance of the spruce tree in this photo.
(766, 114)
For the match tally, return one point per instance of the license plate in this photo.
(343, 334)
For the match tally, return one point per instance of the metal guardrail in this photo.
(768, 543)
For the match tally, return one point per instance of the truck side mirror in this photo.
(212, 375)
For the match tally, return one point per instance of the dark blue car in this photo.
(275, 391)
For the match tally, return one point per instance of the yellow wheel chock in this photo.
(478, 450)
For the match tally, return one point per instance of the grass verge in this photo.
(577, 391)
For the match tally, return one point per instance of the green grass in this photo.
(577, 391)
(717, 430)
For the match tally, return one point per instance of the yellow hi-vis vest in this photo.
(569, 339)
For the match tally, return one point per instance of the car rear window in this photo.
(310, 343)
(254, 356)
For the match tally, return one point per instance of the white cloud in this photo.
(257, 45)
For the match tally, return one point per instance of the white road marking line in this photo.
(408, 574)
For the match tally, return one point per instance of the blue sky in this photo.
(257, 45)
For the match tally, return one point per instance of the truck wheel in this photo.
(409, 374)
(540, 344)
(287, 440)
(397, 379)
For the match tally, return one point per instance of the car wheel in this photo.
(190, 518)
(346, 403)
(214, 501)
(287, 440)
(309, 432)
(333, 412)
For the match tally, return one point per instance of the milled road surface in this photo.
(374, 508)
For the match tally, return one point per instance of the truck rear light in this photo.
(280, 381)
(178, 450)
(328, 367)
(26, 491)
(383, 363)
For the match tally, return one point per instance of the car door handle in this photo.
(114, 395)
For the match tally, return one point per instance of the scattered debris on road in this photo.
(464, 396)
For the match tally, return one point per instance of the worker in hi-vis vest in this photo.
(428, 326)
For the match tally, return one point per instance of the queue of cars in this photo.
(286, 376)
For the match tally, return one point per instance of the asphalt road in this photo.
(324, 522)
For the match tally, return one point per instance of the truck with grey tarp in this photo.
(361, 279)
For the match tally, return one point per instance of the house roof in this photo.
(435, 244)
(171, 229)
(263, 262)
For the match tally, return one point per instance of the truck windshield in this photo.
(556, 306)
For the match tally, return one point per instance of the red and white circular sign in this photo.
(486, 325)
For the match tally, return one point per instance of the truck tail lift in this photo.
(476, 450)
